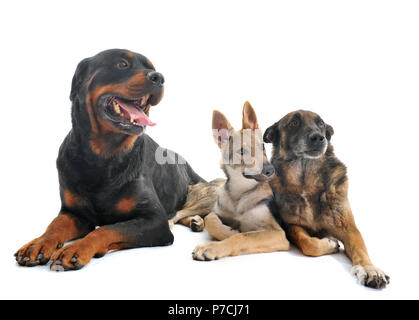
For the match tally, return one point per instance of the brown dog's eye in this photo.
(293, 123)
(123, 64)
(321, 124)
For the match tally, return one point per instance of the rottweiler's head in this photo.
(300, 134)
(112, 92)
(243, 150)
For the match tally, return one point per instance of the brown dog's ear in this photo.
(250, 120)
(271, 134)
(329, 132)
(79, 77)
(221, 127)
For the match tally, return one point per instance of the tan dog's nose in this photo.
(268, 170)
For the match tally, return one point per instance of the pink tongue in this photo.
(137, 114)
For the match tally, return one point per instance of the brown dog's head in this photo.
(243, 151)
(300, 134)
(112, 93)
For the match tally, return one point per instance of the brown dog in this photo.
(311, 193)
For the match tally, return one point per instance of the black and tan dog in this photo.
(311, 193)
(108, 173)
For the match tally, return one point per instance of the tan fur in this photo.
(70, 199)
(241, 218)
(199, 202)
(126, 205)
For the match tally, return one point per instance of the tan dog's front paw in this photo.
(197, 224)
(370, 276)
(209, 251)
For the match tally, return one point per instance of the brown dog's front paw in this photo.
(37, 252)
(209, 251)
(370, 276)
(333, 245)
(72, 257)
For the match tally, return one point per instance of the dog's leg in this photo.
(311, 246)
(217, 229)
(189, 217)
(63, 228)
(196, 223)
(355, 248)
(243, 243)
(147, 231)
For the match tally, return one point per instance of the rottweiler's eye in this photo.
(242, 151)
(294, 123)
(321, 124)
(123, 64)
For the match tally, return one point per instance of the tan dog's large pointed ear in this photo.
(221, 128)
(250, 121)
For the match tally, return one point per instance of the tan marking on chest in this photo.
(126, 205)
(71, 200)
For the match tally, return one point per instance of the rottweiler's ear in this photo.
(271, 134)
(221, 128)
(329, 132)
(79, 76)
(250, 121)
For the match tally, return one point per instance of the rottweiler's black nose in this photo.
(156, 78)
(268, 170)
(316, 139)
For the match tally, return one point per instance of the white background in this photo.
(356, 63)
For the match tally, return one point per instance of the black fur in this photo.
(102, 182)
(107, 167)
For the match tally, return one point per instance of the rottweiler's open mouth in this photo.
(129, 112)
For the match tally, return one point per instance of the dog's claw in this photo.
(371, 276)
(57, 267)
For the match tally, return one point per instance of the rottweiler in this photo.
(311, 193)
(114, 193)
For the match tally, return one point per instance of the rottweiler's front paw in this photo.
(371, 276)
(72, 257)
(37, 252)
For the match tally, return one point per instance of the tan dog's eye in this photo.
(242, 151)
(321, 124)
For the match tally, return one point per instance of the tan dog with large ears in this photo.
(241, 216)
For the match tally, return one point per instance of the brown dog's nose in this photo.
(156, 78)
(315, 138)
